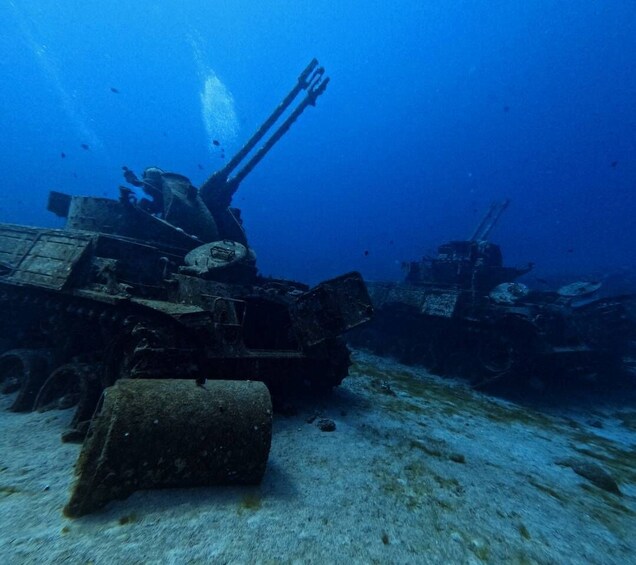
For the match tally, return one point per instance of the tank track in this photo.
(493, 356)
(61, 349)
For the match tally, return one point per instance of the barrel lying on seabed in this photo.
(172, 433)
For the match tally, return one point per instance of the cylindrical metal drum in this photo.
(172, 433)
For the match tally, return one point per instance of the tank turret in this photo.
(475, 263)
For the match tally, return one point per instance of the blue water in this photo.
(434, 110)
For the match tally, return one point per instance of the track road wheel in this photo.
(23, 371)
(496, 356)
(69, 385)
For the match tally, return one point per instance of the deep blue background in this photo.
(434, 110)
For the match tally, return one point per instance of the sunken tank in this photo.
(156, 288)
(463, 313)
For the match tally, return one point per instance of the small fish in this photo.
(366, 252)
(216, 142)
(613, 164)
(506, 108)
(200, 166)
(542, 281)
(85, 146)
(391, 242)
(570, 250)
(63, 155)
(114, 90)
(74, 175)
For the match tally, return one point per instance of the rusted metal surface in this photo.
(164, 285)
(172, 433)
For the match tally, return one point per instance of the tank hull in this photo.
(456, 332)
(124, 306)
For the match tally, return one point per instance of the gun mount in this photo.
(489, 221)
(174, 212)
(218, 189)
(473, 264)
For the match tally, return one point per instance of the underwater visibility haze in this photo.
(155, 344)
(434, 110)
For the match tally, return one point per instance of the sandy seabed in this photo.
(419, 470)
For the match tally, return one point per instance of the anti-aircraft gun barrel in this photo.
(219, 188)
(488, 222)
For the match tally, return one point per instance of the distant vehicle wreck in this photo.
(463, 313)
